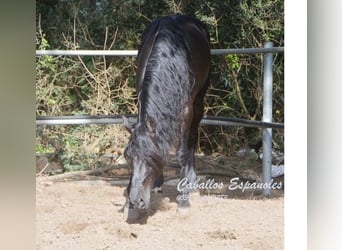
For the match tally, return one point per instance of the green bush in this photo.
(68, 85)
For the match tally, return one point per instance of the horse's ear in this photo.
(127, 124)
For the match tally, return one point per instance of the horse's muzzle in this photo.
(141, 201)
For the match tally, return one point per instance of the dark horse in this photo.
(172, 79)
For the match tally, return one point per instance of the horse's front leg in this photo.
(186, 152)
(188, 179)
(188, 175)
(186, 160)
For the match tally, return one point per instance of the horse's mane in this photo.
(167, 82)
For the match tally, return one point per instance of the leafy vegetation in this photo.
(105, 85)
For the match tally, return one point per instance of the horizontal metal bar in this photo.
(87, 52)
(247, 51)
(83, 119)
(117, 119)
(135, 52)
(231, 121)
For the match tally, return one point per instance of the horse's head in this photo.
(145, 163)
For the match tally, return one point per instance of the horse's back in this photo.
(165, 38)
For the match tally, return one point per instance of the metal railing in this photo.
(266, 122)
(135, 52)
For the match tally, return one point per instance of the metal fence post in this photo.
(267, 117)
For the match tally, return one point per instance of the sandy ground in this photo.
(86, 215)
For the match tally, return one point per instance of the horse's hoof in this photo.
(183, 212)
(183, 204)
(157, 190)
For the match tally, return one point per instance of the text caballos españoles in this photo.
(234, 184)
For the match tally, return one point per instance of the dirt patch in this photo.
(84, 210)
(87, 215)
